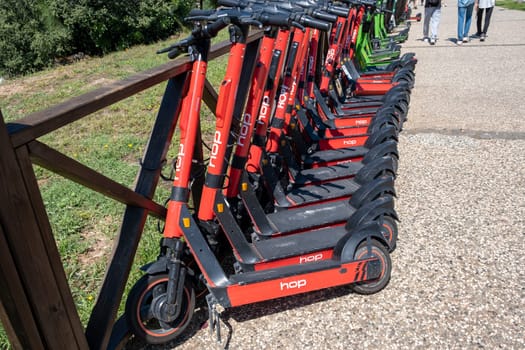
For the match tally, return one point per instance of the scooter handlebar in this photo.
(208, 31)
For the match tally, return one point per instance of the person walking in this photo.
(465, 8)
(432, 18)
(483, 6)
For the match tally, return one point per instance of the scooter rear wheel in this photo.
(389, 231)
(377, 250)
(140, 317)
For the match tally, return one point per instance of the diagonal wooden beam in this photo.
(61, 164)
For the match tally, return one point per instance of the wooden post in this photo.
(15, 312)
(36, 302)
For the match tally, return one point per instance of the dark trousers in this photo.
(488, 14)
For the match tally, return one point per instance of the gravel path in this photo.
(459, 271)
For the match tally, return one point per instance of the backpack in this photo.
(433, 3)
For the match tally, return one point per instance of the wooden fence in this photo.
(36, 305)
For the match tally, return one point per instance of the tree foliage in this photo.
(33, 33)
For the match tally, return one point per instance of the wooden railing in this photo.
(36, 305)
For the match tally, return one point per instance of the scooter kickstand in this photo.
(214, 317)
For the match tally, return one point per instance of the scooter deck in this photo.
(325, 191)
(322, 174)
(312, 216)
(299, 244)
(340, 156)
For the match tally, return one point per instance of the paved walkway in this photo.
(459, 270)
(460, 275)
(477, 87)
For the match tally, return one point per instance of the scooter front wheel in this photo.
(377, 250)
(139, 310)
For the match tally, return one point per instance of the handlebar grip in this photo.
(315, 23)
(368, 3)
(360, 2)
(213, 28)
(339, 11)
(324, 16)
(164, 50)
(200, 13)
(232, 3)
(275, 20)
(176, 49)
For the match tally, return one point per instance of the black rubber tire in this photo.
(143, 324)
(377, 250)
(389, 231)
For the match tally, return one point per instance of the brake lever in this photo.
(178, 46)
(298, 26)
(175, 52)
(251, 22)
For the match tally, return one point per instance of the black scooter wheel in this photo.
(140, 318)
(377, 250)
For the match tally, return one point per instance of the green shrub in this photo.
(34, 33)
(29, 38)
(99, 26)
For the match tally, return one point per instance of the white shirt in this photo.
(483, 4)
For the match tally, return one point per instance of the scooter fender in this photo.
(386, 134)
(370, 211)
(399, 98)
(373, 190)
(387, 148)
(401, 110)
(376, 168)
(393, 66)
(400, 95)
(397, 109)
(403, 62)
(161, 266)
(408, 58)
(380, 122)
(391, 111)
(398, 89)
(346, 247)
(404, 79)
(405, 72)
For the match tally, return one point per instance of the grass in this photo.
(511, 4)
(110, 141)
